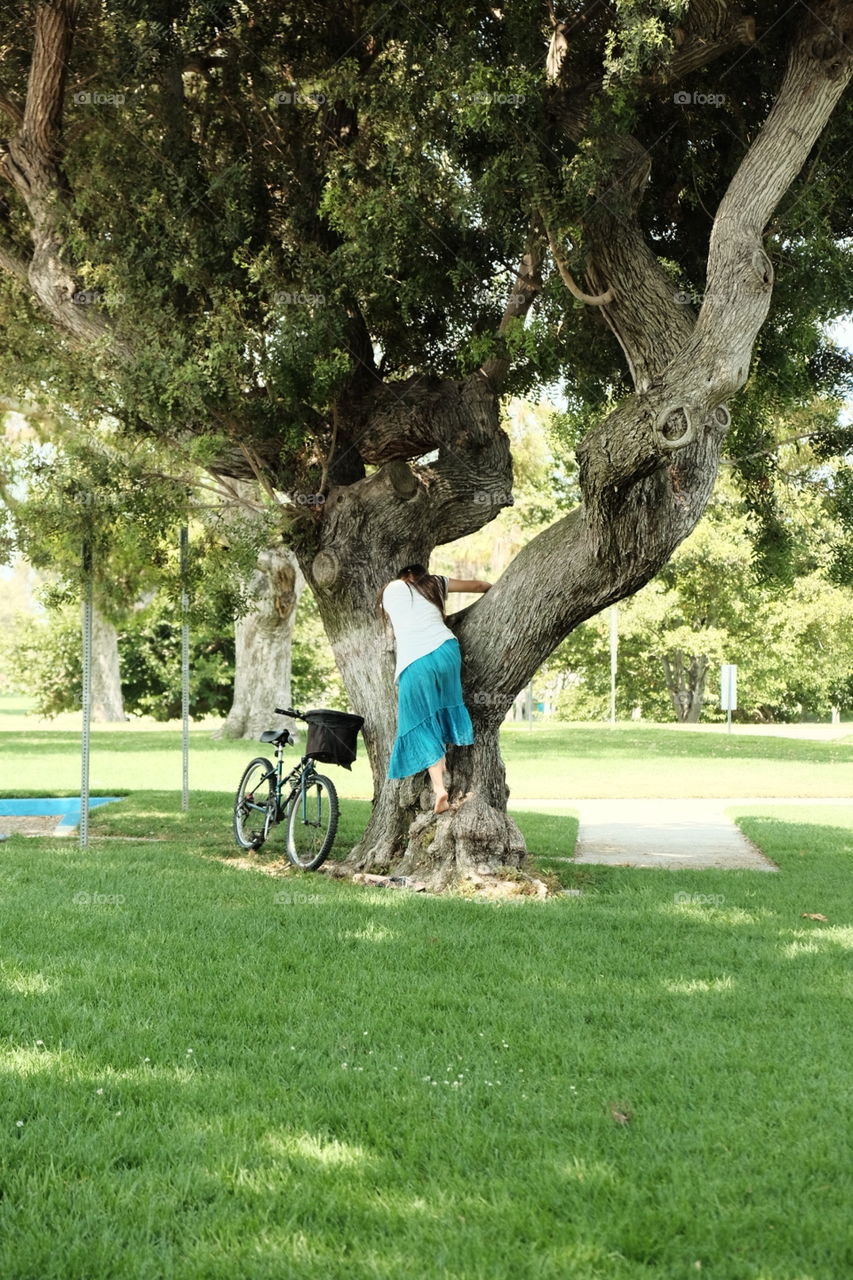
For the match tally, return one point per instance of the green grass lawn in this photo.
(211, 1072)
(550, 760)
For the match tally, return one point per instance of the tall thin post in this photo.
(728, 691)
(87, 694)
(614, 647)
(185, 672)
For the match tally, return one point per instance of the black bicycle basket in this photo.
(332, 736)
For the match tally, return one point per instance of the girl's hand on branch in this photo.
(471, 585)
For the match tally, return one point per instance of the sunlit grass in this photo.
(550, 760)
(202, 1079)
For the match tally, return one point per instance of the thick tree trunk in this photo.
(107, 703)
(685, 685)
(478, 836)
(393, 517)
(646, 470)
(471, 841)
(263, 646)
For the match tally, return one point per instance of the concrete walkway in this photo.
(664, 833)
(679, 834)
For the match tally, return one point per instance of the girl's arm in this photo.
(467, 584)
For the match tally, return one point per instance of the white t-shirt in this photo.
(419, 628)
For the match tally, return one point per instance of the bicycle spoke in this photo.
(254, 806)
(312, 823)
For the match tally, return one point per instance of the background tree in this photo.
(127, 501)
(56, 497)
(42, 657)
(328, 241)
(715, 602)
(263, 629)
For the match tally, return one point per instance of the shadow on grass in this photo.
(369, 1084)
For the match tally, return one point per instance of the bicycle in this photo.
(311, 807)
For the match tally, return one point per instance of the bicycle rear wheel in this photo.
(312, 822)
(255, 804)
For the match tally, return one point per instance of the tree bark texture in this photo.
(264, 647)
(107, 703)
(685, 684)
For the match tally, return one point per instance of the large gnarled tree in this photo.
(289, 237)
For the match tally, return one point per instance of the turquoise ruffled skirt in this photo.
(430, 712)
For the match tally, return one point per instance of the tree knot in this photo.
(674, 427)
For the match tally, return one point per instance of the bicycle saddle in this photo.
(276, 735)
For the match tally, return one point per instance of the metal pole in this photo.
(87, 694)
(614, 646)
(529, 705)
(185, 673)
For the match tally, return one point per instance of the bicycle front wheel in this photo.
(254, 806)
(312, 823)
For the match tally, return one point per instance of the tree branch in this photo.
(11, 110)
(644, 315)
(594, 300)
(685, 402)
(30, 162)
(403, 419)
(779, 444)
(710, 30)
(528, 284)
(42, 124)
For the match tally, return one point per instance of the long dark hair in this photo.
(429, 585)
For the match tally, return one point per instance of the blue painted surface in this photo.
(68, 807)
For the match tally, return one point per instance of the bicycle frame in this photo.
(301, 775)
(278, 797)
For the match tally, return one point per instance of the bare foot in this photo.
(441, 803)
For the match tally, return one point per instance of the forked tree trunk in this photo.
(264, 640)
(393, 517)
(107, 703)
(685, 684)
(645, 471)
(476, 837)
